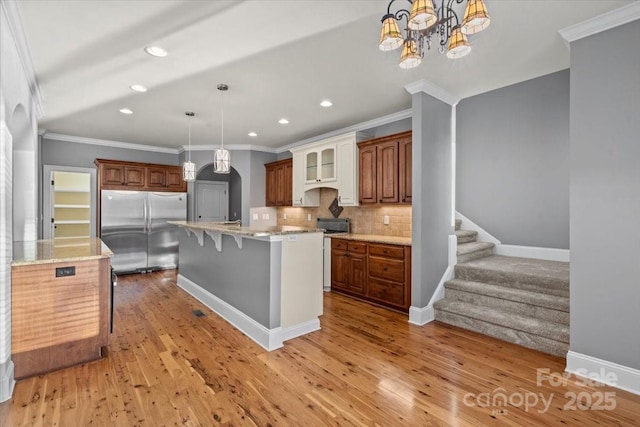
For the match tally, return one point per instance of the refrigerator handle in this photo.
(145, 215)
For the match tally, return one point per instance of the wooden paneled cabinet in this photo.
(385, 169)
(279, 183)
(380, 273)
(121, 175)
(349, 266)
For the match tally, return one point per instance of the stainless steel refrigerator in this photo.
(134, 226)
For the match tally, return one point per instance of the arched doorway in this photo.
(234, 181)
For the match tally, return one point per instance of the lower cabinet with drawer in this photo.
(380, 273)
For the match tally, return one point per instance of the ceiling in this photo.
(279, 58)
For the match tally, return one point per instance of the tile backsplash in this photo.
(364, 220)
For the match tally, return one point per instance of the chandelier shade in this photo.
(428, 22)
(423, 15)
(188, 167)
(410, 57)
(222, 157)
(390, 36)
(458, 44)
(475, 18)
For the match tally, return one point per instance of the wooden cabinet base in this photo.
(40, 361)
(58, 322)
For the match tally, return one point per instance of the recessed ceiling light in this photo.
(253, 134)
(126, 111)
(326, 103)
(283, 121)
(155, 51)
(138, 88)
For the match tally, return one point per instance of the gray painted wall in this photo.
(431, 206)
(605, 195)
(63, 153)
(512, 175)
(225, 274)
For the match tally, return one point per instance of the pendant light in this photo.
(188, 167)
(222, 157)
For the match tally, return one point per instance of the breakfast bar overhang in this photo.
(266, 281)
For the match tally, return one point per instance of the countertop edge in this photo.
(373, 238)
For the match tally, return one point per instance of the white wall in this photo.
(18, 114)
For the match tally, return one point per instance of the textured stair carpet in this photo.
(520, 300)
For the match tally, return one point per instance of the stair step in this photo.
(458, 223)
(466, 236)
(549, 337)
(469, 251)
(541, 306)
(549, 277)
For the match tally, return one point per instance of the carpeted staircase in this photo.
(520, 300)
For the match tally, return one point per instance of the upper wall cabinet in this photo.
(331, 163)
(385, 169)
(279, 183)
(120, 175)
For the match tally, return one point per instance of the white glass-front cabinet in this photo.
(302, 197)
(331, 163)
(320, 164)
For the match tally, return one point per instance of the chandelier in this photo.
(425, 22)
(222, 157)
(188, 167)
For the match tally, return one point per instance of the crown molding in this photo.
(601, 23)
(404, 114)
(432, 89)
(230, 147)
(12, 13)
(107, 143)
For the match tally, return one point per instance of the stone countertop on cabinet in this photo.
(235, 229)
(52, 251)
(373, 238)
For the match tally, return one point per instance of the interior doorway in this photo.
(212, 201)
(69, 205)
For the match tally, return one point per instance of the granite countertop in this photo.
(374, 238)
(245, 231)
(50, 251)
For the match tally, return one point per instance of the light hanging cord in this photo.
(222, 157)
(189, 168)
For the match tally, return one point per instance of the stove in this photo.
(334, 225)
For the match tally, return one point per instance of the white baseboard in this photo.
(603, 371)
(550, 254)
(269, 339)
(421, 316)
(300, 329)
(483, 235)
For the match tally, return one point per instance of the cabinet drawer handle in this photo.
(384, 251)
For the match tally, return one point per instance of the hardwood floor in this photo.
(367, 366)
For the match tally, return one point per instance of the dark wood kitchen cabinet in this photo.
(385, 169)
(122, 175)
(279, 183)
(349, 266)
(376, 272)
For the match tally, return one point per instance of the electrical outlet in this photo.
(266, 216)
(255, 216)
(308, 217)
(284, 216)
(386, 220)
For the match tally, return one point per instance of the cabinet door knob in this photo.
(380, 200)
(384, 269)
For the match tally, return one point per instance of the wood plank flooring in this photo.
(366, 367)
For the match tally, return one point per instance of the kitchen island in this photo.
(265, 281)
(60, 303)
